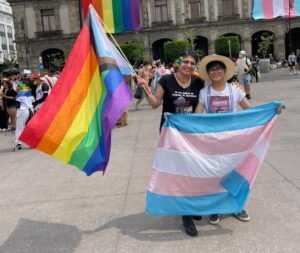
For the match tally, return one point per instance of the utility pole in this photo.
(291, 5)
(229, 48)
(80, 13)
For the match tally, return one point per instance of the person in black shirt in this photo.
(178, 93)
(9, 98)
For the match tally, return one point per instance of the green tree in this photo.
(264, 44)
(173, 48)
(190, 35)
(134, 52)
(57, 60)
(222, 45)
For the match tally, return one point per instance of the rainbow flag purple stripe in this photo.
(269, 9)
(117, 15)
(207, 164)
(75, 122)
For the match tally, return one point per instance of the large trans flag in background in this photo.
(75, 122)
(117, 15)
(207, 164)
(269, 9)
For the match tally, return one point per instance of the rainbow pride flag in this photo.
(207, 163)
(117, 15)
(75, 122)
(269, 9)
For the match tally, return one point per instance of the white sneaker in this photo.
(4, 129)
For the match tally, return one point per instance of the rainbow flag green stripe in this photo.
(117, 15)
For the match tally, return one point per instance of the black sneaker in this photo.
(248, 96)
(243, 216)
(199, 217)
(18, 147)
(214, 219)
(189, 226)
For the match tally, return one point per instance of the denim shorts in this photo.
(10, 106)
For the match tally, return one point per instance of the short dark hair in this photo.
(215, 63)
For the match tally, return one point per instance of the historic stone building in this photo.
(53, 25)
(44, 28)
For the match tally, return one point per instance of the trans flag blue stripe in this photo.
(220, 122)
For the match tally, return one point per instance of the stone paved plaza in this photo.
(46, 206)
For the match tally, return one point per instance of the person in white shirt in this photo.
(292, 63)
(243, 70)
(219, 96)
(24, 100)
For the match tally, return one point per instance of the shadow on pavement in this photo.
(36, 237)
(148, 228)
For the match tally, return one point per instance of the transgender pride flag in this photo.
(268, 9)
(207, 163)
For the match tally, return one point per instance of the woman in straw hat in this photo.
(178, 93)
(221, 97)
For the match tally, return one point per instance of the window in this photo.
(9, 32)
(161, 10)
(228, 7)
(48, 20)
(2, 30)
(8, 20)
(195, 9)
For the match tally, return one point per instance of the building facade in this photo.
(44, 30)
(7, 33)
(44, 26)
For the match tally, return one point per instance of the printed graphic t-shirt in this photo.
(177, 99)
(220, 101)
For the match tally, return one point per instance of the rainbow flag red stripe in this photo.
(75, 122)
(117, 15)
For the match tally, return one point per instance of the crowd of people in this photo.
(186, 86)
(20, 98)
(246, 71)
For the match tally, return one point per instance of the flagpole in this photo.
(116, 43)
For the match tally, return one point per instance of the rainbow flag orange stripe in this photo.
(117, 15)
(75, 122)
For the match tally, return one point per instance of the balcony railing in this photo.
(45, 34)
(232, 17)
(196, 20)
(162, 23)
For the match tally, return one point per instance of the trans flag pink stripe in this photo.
(206, 143)
(177, 185)
(268, 9)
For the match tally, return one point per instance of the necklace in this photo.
(183, 83)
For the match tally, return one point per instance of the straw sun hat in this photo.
(230, 66)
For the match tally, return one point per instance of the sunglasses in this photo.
(189, 62)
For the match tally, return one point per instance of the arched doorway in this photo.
(292, 41)
(158, 49)
(201, 43)
(256, 39)
(53, 60)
